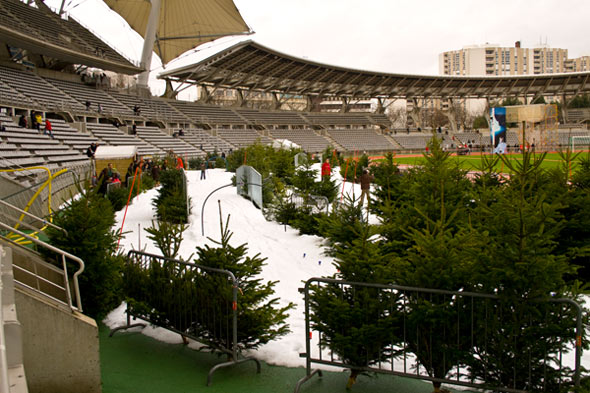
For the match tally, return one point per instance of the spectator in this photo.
(91, 150)
(137, 110)
(156, 174)
(365, 181)
(38, 121)
(22, 121)
(105, 177)
(326, 170)
(130, 172)
(2, 128)
(33, 121)
(116, 178)
(134, 129)
(48, 129)
(223, 154)
(88, 103)
(99, 108)
(181, 132)
(203, 169)
(179, 163)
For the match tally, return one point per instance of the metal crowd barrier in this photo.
(169, 299)
(317, 203)
(471, 339)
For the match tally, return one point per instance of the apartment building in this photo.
(491, 59)
(579, 64)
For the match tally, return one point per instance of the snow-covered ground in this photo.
(291, 258)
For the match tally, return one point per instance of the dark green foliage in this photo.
(326, 188)
(118, 197)
(219, 162)
(423, 195)
(579, 101)
(480, 122)
(171, 202)
(260, 321)
(359, 324)
(306, 221)
(167, 236)
(195, 163)
(342, 225)
(88, 221)
(520, 265)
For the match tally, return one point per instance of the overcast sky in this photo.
(378, 35)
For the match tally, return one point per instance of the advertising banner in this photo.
(498, 129)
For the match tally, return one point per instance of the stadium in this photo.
(461, 270)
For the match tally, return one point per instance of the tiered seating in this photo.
(242, 138)
(83, 93)
(380, 119)
(110, 135)
(338, 119)
(38, 90)
(154, 136)
(10, 95)
(412, 141)
(95, 45)
(361, 139)
(34, 22)
(21, 147)
(205, 141)
(44, 25)
(151, 108)
(307, 139)
(78, 141)
(204, 114)
(255, 116)
(511, 138)
(578, 115)
(480, 140)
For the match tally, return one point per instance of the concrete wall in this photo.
(61, 350)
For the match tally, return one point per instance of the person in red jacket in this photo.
(48, 128)
(326, 169)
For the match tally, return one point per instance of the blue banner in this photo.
(498, 129)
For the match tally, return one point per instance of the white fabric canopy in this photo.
(183, 24)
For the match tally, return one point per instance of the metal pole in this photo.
(148, 43)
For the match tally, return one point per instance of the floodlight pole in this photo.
(148, 43)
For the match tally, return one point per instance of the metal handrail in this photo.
(64, 255)
(39, 219)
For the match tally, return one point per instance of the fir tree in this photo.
(260, 318)
(167, 236)
(520, 265)
(88, 221)
(359, 324)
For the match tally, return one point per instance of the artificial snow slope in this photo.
(291, 258)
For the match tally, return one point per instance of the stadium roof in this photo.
(249, 65)
(182, 24)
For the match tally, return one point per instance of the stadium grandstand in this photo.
(54, 65)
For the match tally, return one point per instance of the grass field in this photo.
(474, 161)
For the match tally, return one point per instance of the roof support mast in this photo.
(148, 44)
